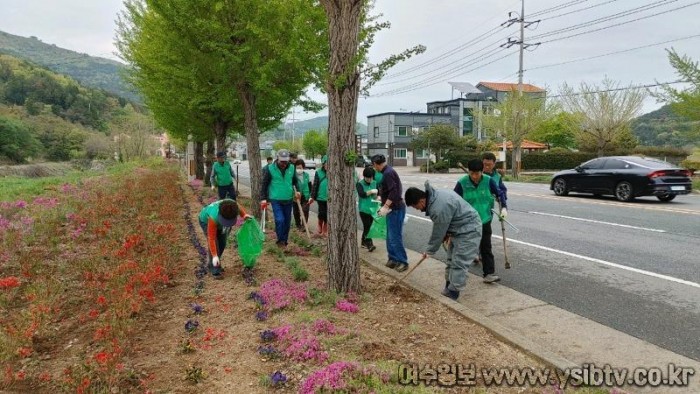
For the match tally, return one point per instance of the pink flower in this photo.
(328, 378)
(323, 326)
(279, 294)
(21, 204)
(347, 306)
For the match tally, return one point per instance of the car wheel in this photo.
(560, 188)
(624, 191)
(666, 197)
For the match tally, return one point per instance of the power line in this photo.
(612, 53)
(620, 89)
(557, 7)
(578, 10)
(621, 23)
(606, 18)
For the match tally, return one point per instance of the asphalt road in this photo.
(634, 267)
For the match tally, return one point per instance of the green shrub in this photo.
(692, 165)
(556, 160)
(440, 167)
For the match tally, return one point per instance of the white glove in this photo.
(213, 187)
(372, 191)
(215, 261)
(383, 211)
(504, 213)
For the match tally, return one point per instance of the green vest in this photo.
(223, 173)
(378, 178)
(322, 194)
(478, 197)
(496, 177)
(211, 211)
(366, 202)
(304, 185)
(281, 185)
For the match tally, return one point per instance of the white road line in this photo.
(594, 260)
(597, 221)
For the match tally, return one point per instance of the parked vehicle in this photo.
(624, 177)
(363, 161)
(312, 164)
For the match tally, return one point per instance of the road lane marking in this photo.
(597, 222)
(591, 259)
(612, 204)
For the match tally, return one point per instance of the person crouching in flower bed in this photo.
(216, 220)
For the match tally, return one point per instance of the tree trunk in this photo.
(517, 157)
(220, 129)
(250, 123)
(198, 160)
(209, 160)
(343, 87)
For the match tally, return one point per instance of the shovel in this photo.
(396, 284)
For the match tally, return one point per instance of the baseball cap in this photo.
(283, 155)
(221, 154)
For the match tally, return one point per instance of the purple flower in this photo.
(21, 204)
(191, 325)
(267, 351)
(268, 336)
(261, 316)
(278, 378)
(197, 309)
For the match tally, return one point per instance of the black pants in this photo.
(323, 210)
(297, 214)
(487, 261)
(227, 191)
(366, 224)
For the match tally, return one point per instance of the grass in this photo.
(14, 187)
(531, 178)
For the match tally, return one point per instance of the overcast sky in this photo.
(446, 28)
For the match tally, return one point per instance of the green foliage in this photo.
(440, 139)
(693, 165)
(684, 102)
(315, 143)
(665, 127)
(441, 167)
(98, 73)
(557, 160)
(16, 141)
(556, 131)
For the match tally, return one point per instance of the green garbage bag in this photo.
(378, 228)
(250, 242)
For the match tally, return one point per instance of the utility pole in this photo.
(293, 120)
(523, 45)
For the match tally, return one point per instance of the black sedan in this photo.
(624, 177)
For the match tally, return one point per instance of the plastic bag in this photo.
(378, 228)
(250, 242)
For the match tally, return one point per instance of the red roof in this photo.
(508, 87)
(526, 144)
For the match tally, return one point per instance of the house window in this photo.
(376, 132)
(402, 131)
(422, 154)
(399, 153)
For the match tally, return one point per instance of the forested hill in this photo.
(664, 127)
(88, 70)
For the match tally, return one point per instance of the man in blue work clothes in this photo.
(278, 185)
(478, 190)
(222, 176)
(393, 207)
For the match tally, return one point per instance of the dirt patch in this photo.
(223, 353)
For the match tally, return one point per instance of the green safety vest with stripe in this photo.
(366, 203)
(211, 211)
(223, 173)
(281, 188)
(479, 197)
(322, 194)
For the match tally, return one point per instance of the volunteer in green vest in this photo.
(319, 193)
(478, 190)
(367, 192)
(489, 160)
(304, 182)
(216, 220)
(279, 181)
(222, 176)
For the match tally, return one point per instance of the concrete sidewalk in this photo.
(554, 335)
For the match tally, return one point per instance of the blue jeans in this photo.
(225, 191)
(220, 241)
(394, 235)
(283, 219)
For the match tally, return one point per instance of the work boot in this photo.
(490, 278)
(401, 267)
(450, 293)
(371, 247)
(216, 272)
(391, 263)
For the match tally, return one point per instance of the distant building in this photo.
(390, 133)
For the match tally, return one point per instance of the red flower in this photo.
(102, 358)
(101, 300)
(24, 352)
(9, 282)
